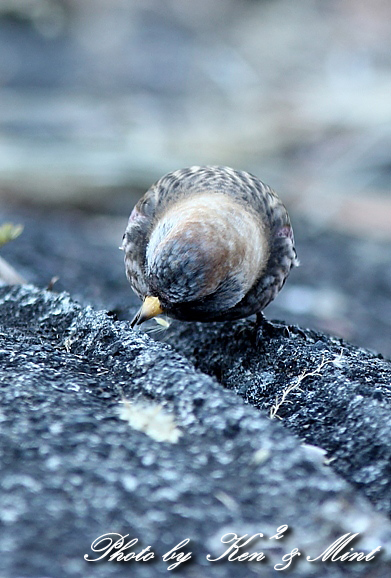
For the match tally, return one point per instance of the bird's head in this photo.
(203, 255)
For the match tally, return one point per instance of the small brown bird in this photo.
(207, 244)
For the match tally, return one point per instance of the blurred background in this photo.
(98, 99)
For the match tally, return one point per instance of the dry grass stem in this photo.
(295, 386)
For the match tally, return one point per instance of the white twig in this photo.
(295, 386)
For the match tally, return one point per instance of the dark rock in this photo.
(71, 470)
(340, 398)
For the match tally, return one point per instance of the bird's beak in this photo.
(150, 308)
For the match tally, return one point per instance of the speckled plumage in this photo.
(211, 243)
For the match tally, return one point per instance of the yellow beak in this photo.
(150, 308)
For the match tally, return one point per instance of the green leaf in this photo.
(9, 232)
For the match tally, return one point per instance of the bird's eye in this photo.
(146, 207)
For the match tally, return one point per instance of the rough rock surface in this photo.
(71, 470)
(340, 398)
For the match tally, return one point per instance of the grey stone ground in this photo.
(72, 470)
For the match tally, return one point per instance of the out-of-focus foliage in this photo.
(9, 232)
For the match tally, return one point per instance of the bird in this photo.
(207, 243)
